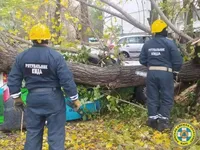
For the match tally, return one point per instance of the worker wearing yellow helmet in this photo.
(163, 60)
(45, 72)
(158, 26)
(39, 33)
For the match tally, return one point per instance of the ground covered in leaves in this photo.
(104, 134)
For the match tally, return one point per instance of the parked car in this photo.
(131, 46)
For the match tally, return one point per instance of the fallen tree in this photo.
(110, 77)
(124, 76)
(7, 56)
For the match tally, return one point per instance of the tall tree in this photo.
(84, 22)
(153, 15)
(188, 17)
(57, 21)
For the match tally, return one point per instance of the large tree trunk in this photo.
(111, 77)
(124, 76)
(7, 56)
(57, 22)
(190, 72)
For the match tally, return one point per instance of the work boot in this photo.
(152, 123)
(163, 124)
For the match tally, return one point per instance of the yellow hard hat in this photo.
(39, 32)
(158, 26)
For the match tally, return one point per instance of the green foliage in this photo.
(127, 111)
(179, 111)
(81, 57)
(191, 98)
(89, 93)
(187, 110)
(18, 16)
(123, 93)
(68, 44)
(113, 103)
(173, 9)
(117, 104)
(110, 100)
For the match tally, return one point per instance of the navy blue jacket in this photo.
(41, 67)
(161, 51)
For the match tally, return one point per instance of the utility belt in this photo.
(161, 68)
(38, 90)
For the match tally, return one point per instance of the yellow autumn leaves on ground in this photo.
(103, 134)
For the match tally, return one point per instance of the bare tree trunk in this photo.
(7, 56)
(195, 10)
(111, 77)
(190, 72)
(85, 22)
(153, 15)
(57, 20)
(190, 29)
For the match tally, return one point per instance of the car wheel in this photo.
(140, 95)
(125, 54)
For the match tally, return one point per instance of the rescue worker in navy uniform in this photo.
(164, 61)
(45, 72)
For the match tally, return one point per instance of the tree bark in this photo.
(124, 76)
(85, 22)
(188, 17)
(195, 10)
(153, 16)
(110, 77)
(7, 56)
(57, 21)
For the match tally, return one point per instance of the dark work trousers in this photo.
(41, 107)
(160, 93)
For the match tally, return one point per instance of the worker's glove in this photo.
(77, 104)
(18, 104)
(79, 109)
(175, 75)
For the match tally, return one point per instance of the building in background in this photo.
(140, 10)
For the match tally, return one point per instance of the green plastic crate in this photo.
(1, 106)
(24, 93)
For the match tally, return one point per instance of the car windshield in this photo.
(122, 41)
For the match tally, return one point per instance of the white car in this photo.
(131, 46)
